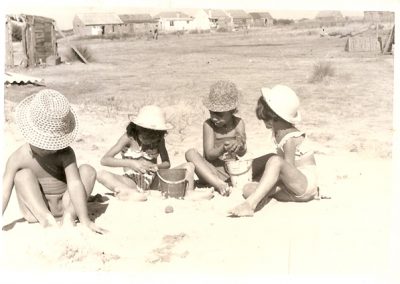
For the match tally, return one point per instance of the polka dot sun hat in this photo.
(47, 121)
(223, 96)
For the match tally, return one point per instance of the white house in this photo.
(200, 20)
(173, 21)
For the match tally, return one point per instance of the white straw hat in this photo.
(283, 101)
(151, 117)
(47, 121)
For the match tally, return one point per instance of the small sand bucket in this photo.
(172, 182)
(240, 172)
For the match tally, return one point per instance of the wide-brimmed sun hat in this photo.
(46, 120)
(151, 117)
(283, 101)
(223, 96)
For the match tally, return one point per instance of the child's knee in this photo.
(22, 176)
(88, 171)
(190, 154)
(275, 161)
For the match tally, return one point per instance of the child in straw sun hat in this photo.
(143, 152)
(44, 171)
(224, 137)
(290, 174)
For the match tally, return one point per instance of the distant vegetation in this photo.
(321, 70)
(283, 22)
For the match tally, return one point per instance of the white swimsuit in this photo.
(302, 150)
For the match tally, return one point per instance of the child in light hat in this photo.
(44, 171)
(143, 152)
(290, 174)
(224, 137)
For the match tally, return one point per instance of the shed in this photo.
(200, 20)
(239, 18)
(329, 16)
(38, 39)
(137, 23)
(379, 16)
(261, 19)
(173, 21)
(96, 24)
(217, 18)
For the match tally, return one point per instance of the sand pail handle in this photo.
(170, 182)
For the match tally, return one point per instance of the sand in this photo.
(349, 234)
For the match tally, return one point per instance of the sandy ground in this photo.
(348, 235)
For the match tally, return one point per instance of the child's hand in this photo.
(137, 166)
(233, 146)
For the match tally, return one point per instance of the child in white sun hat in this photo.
(44, 171)
(143, 152)
(290, 174)
(224, 137)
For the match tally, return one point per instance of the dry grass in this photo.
(354, 107)
(321, 70)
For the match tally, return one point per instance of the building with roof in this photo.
(261, 19)
(137, 23)
(329, 16)
(238, 18)
(96, 24)
(218, 18)
(173, 21)
(378, 16)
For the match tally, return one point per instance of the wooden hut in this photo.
(218, 18)
(96, 24)
(379, 16)
(329, 16)
(261, 19)
(239, 18)
(38, 39)
(137, 23)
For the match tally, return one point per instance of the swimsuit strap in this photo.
(289, 135)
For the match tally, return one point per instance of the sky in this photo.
(64, 12)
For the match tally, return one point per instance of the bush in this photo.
(321, 70)
(16, 33)
(222, 30)
(85, 51)
(283, 22)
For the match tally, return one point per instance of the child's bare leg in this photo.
(124, 187)
(275, 169)
(206, 172)
(88, 177)
(31, 199)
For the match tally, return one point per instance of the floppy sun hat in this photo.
(151, 117)
(283, 101)
(46, 120)
(223, 96)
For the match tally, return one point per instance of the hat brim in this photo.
(164, 127)
(266, 93)
(39, 138)
(218, 108)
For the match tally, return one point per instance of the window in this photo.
(171, 23)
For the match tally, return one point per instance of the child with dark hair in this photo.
(290, 174)
(143, 152)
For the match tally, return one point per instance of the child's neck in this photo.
(280, 126)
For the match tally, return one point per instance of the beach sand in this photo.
(349, 234)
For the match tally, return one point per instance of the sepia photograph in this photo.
(184, 141)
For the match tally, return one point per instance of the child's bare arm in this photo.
(210, 151)
(78, 197)
(109, 158)
(165, 163)
(289, 149)
(241, 138)
(11, 169)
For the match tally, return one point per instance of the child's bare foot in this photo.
(127, 193)
(242, 210)
(224, 189)
(195, 195)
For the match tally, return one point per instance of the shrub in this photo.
(16, 33)
(222, 30)
(283, 22)
(321, 70)
(83, 50)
